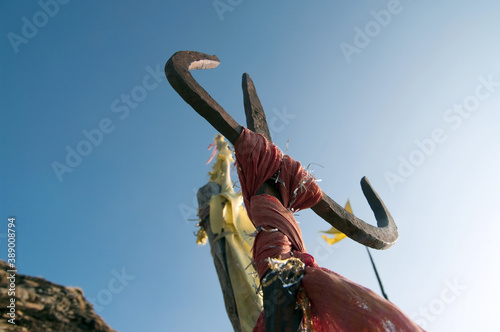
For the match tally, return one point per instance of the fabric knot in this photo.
(258, 160)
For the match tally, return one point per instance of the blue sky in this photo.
(404, 92)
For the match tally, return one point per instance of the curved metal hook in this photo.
(177, 72)
(381, 237)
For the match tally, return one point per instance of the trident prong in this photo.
(177, 72)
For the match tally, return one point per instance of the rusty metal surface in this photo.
(280, 309)
(177, 72)
(256, 118)
(381, 237)
(256, 121)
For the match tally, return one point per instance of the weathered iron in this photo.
(177, 70)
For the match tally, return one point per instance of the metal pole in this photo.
(376, 273)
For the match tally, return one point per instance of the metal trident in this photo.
(177, 72)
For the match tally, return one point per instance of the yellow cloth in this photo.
(229, 219)
(337, 235)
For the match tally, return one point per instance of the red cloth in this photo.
(337, 304)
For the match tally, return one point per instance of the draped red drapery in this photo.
(337, 304)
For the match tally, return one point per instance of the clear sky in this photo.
(101, 159)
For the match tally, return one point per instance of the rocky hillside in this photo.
(41, 305)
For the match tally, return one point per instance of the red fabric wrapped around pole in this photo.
(337, 304)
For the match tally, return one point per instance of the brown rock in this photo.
(44, 306)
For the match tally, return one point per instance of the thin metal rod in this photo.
(376, 273)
